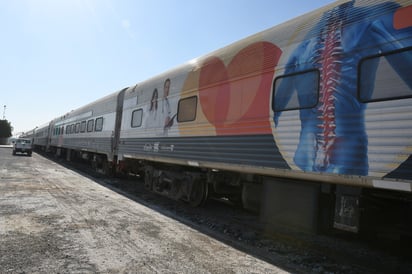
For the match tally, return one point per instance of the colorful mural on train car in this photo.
(321, 94)
(317, 107)
(333, 134)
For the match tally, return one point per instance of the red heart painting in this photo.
(235, 99)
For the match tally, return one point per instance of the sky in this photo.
(58, 55)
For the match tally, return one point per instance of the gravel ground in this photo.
(58, 220)
(54, 220)
(293, 251)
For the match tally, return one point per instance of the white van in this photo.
(22, 145)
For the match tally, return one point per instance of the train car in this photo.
(41, 137)
(89, 132)
(28, 134)
(309, 121)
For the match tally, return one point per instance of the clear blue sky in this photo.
(57, 55)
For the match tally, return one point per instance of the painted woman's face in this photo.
(166, 88)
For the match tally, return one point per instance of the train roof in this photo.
(283, 35)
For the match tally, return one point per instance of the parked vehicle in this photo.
(22, 145)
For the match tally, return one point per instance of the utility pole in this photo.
(4, 113)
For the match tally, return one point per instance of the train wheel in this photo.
(148, 178)
(199, 193)
(108, 168)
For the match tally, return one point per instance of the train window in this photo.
(137, 116)
(72, 129)
(186, 111)
(296, 91)
(62, 130)
(83, 126)
(99, 124)
(385, 77)
(68, 129)
(90, 125)
(77, 127)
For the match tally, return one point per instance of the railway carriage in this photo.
(28, 134)
(309, 122)
(41, 136)
(324, 98)
(89, 132)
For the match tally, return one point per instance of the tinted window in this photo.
(187, 109)
(137, 116)
(99, 124)
(90, 125)
(83, 126)
(296, 91)
(378, 80)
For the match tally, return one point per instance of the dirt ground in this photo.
(54, 220)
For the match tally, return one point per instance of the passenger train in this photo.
(309, 122)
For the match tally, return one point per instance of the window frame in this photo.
(294, 74)
(90, 128)
(359, 78)
(83, 126)
(179, 107)
(132, 118)
(77, 128)
(97, 122)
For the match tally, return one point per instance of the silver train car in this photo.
(41, 136)
(308, 122)
(90, 132)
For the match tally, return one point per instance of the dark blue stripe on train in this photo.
(258, 150)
